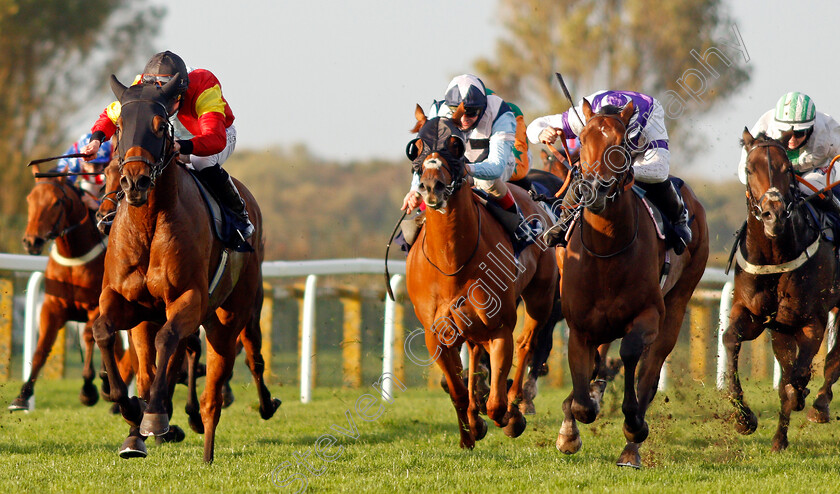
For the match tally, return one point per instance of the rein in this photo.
(62, 201)
(472, 254)
(619, 251)
(772, 193)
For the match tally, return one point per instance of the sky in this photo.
(343, 77)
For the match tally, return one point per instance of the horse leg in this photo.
(537, 310)
(784, 347)
(478, 427)
(449, 361)
(501, 359)
(568, 439)
(51, 319)
(89, 395)
(641, 337)
(820, 413)
(116, 313)
(221, 354)
(583, 406)
(183, 317)
(141, 345)
(192, 407)
(743, 326)
(251, 338)
(539, 366)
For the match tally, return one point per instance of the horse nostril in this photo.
(125, 183)
(767, 215)
(144, 182)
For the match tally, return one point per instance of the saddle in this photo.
(222, 219)
(664, 228)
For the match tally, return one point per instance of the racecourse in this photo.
(413, 446)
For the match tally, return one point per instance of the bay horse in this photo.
(611, 289)
(158, 269)
(73, 278)
(464, 281)
(785, 281)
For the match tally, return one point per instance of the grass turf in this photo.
(413, 446)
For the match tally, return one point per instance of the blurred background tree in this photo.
(637, 45)
(55, 56)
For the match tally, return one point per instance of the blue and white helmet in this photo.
(467, 89)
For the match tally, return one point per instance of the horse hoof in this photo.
(568, 446)
(115, 409)
(133, 447)
(467, 443)
(89, 395)
(480, 429)
(227, 396)
(154, 424)
(19, 404)
(196, 424)
(746, 424)
(527, 408)
(274, 404)
(779, 445)
(630, 456)
(819, 415)
(174, 435)
(515, 426)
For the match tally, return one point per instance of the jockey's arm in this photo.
(501, 149)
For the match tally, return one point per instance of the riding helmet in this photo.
(795, 110)
(162, 67)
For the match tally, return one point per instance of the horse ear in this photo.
(786, 137)
(627, 113)
(421, 119)
(35, 169)
(171, 86)
(117, 87)
(587, 110)
(458, 113)
(747, 139)
(456, 147)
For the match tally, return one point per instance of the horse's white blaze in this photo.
(433, 163)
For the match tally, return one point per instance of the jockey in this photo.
(205, 113)
(646, 140)
(489, 126)
(815, 141)
(91, 185)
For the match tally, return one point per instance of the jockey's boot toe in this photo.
(555, 236)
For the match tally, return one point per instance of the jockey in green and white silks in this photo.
(816, 140)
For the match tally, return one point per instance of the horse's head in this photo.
(604, 159)
(113, 193)
(438, 155)
(145, 136)
(51, 206)
(770, 180)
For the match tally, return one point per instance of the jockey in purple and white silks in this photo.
(646, 141)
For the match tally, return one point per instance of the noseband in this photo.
(773, 193)
(62, 203)
(456, 173)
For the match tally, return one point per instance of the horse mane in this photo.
(609, 110)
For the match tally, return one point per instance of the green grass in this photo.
(413, 446)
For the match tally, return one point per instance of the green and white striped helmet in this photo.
(795, 110)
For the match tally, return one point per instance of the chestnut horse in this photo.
(611, 285)
(786, 281)
(162, 256)
(73, 278)
(464, 282)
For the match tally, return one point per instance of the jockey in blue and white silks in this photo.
(489, 127)
(92, 184)
(646, 141)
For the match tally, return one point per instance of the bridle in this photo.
(62, 203)
(626, 178)
(773, 193)
(166, 157)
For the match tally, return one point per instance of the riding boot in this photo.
(221, 183)
(666, 198)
